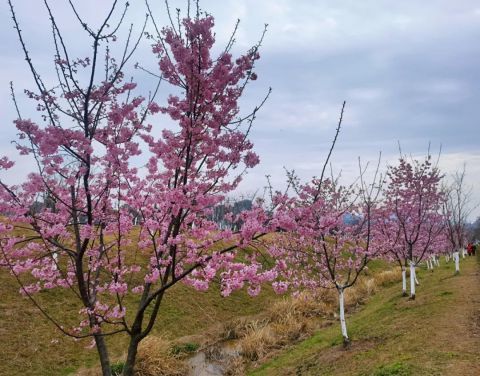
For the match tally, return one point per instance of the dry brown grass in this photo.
(233, 329)
(94, 371)
(258, 342)
(235, 367)
(304, 304)
(291, 319)
(155, 358)
(361, 291)
(368, 286)
(285, 322)
(388, 276)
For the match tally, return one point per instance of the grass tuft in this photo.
(117, 368)
(395, 369)
(184, 348)
(257, 342)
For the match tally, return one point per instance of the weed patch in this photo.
(184, 348)
(117, 368)
(395, 369)
(445, 293)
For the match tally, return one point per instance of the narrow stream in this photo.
(214, 360)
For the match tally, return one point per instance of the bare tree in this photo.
(457, 207)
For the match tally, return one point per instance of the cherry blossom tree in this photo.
(332, 238)
(388, 237)
(412, 213)
(332, 241)
(93, 130)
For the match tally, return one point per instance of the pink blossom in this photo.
(116, 207)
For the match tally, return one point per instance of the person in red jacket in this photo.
(470, 249)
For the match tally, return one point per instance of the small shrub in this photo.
(117, 368)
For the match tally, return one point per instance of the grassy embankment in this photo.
(391, 335)
(437, 334)
(32, 346)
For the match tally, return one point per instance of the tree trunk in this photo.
(343, 324)
(129, 366)
(404, 281)
(103, 355)
(412, 280)
(456, 256)
(136, 334)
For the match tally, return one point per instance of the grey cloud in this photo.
(408, 70)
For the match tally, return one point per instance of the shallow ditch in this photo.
(214, 360)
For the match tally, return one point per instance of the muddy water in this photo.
(213, 360)
(201, 366)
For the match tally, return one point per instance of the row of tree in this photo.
(94, 126)
(407, 218)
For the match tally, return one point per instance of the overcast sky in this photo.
(409, 71)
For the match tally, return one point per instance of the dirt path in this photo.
(462, 321)
(437, 334)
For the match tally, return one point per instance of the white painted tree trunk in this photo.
(463, 253)
(456, 256)
(404, 281)
(343, 324)
(55, 259)
(437, 261)
(429, 265)
(412, 280)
